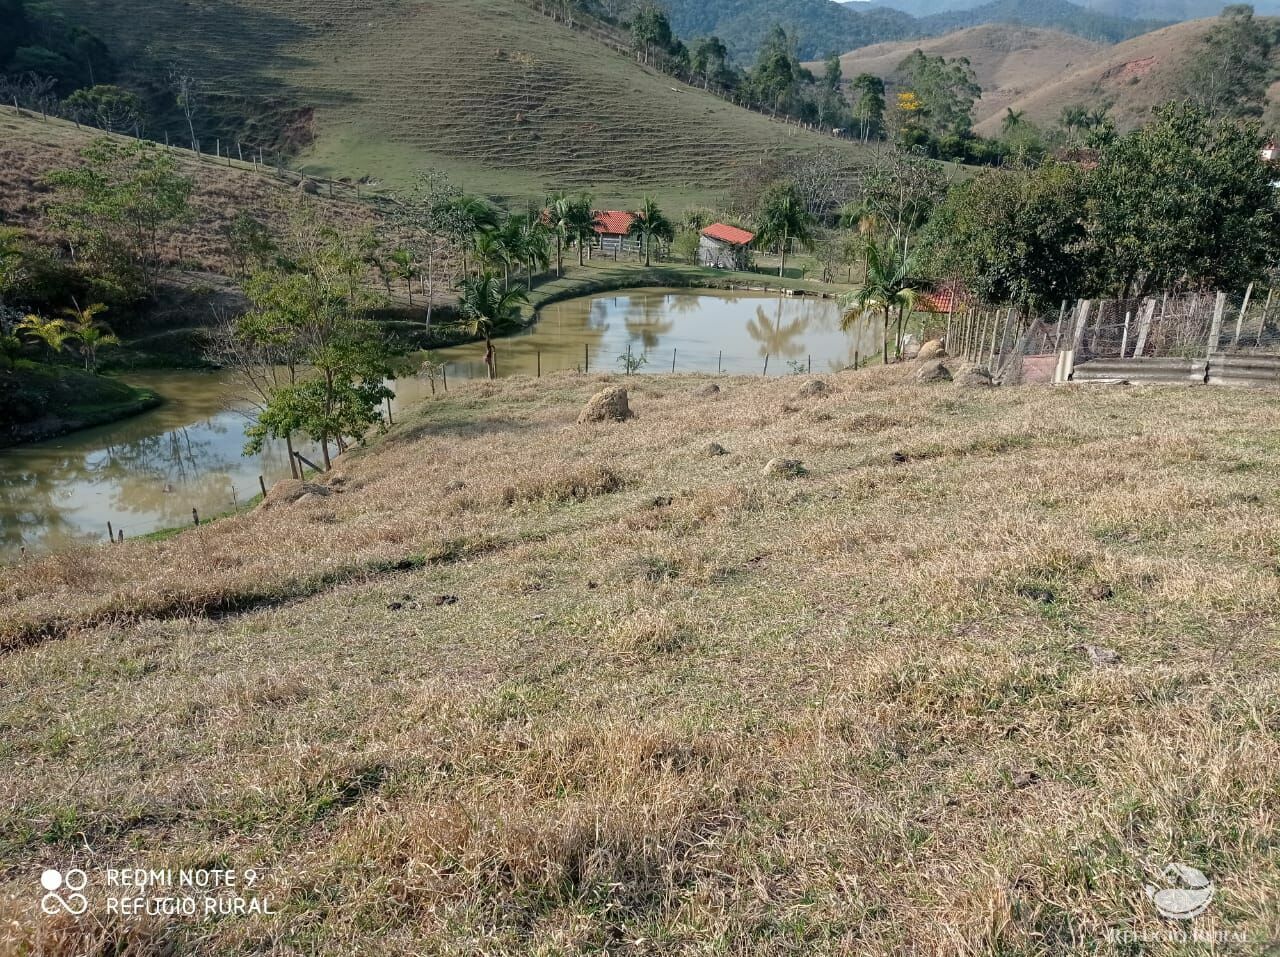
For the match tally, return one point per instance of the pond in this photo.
(148, 472)
(699, 331)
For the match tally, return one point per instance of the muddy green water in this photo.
(148, 472)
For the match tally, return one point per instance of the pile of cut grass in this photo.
(865, 710)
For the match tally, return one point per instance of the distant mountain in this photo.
(1051, 14)
(821, 26)
(1162, 10)
(824, 26)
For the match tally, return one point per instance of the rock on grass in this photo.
(607, 405)
(935, 370)
(784, 468)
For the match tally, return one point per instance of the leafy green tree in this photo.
(491, 309)
(107, 107)
(898, 191)
(1014, 236)
(650, 224)
(310, 309)
(777, 72)
(946, 90)
(405, 268)
(889, 286)
(249, 241)
(651, 31)
(1183, 200)
(869, 105)
(709, 58)
(119, 207)
(783, 219)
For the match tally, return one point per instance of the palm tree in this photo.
(89, 332)
(531, 245)
(491, 255)
(558, 207)
(470, 214)
(649, 225)
(52, 332)
(404, 267)
(580, 224)
(888, 287)
(490, 309)
(1012, 120)
(783, 219)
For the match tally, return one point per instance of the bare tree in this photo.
(188, 93)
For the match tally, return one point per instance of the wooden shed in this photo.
(724, 247)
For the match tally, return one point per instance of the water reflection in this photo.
(734, 331)
(148, 472)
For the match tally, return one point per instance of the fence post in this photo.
(1215, 328)
(1057, 333)
(1244, 307)
(539, 355)
(111, 534)
(586, 357)
(195, 516)
(1082, 320)
(719, 360)
(673, 360)
(262, 484)
(1124, 338)
(766, 364)
(1266, 313)
(1144, 328)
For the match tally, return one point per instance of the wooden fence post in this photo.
(1244, 307)
(1124, 339)
(1215, 327)
(262, 484)
(1266, 313)
(1144, 328)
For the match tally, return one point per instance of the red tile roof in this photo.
(941, 301)
(613, 222)
(728, 234)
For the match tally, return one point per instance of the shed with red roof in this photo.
(613, 226)
(722, 246)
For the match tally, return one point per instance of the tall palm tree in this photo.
(469, 215)
(581, 224)
(558, 208)
(649, 225)
(1012, 120)
(532, 246)
(491, 310)
(783, 219)
(888, 287)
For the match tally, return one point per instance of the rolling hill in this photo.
(507, 101)
(1133, 77)
(1010, 62)
(1130, 9)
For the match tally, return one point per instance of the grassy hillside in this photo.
(1009, 61)
(528, 687)
(31, 147)
(507, 101)
(1135, 76)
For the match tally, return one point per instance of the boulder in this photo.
(933, 349)
(935, 370)
(288, 491)
(708, 390)
(714, 448)
(784, 468)
(607, 405)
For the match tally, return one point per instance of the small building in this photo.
(613, 229)
(724, 247)
(1271, 153)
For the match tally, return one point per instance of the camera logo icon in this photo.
(63, 892)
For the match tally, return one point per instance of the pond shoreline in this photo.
(69, 401)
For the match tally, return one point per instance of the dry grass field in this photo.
(1009, 61)
(523, 686)
(505, 100)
